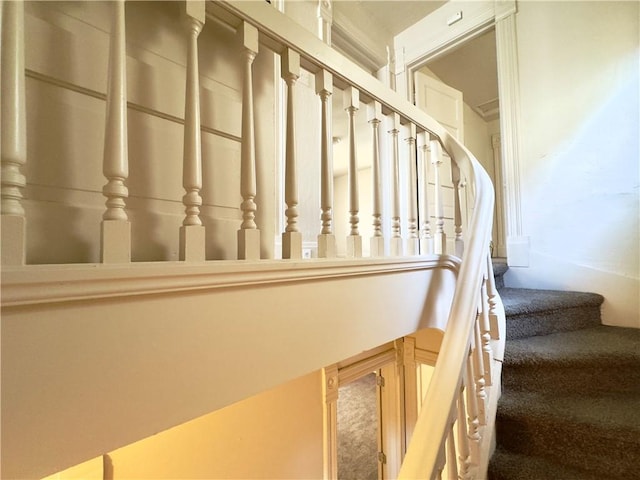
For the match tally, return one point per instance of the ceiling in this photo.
(470, 68)
(390, 16)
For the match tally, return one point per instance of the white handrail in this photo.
(422, 456)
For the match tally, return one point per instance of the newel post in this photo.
(14, 134)
(248, 235)
(115, 227)
(192, 232)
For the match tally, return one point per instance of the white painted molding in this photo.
(375, 362)
(325, 20)
(504, 8)
(354, 43)
(45, 284)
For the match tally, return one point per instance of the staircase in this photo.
(570, 407)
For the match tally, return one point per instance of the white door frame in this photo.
(388, 357)
(421, 43)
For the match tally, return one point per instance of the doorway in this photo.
(471, 69)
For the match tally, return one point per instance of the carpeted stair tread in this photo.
(599, 433)
(518, 301)
(570, 408)
(507, 465)
(542, 312)
(612, 414)
(578, 347)
(586, 361)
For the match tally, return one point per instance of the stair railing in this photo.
(463, 369)
(463, 373)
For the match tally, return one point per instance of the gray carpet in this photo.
(358, 430)
(570, 408)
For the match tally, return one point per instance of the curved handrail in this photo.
(279, 32)
(443, 389)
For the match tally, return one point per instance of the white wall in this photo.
(580, 156)
(66, 60)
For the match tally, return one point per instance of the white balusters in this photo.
(396, 239)
(115, 228)
(14, 133)
(464, 454)
(377, 239)
(412, 205)
(440, 238)
(455, 179)
(473, 423)
(452, 463)
(479, 373)
(492, 295)
(248, 235)
(192, 232)
(485, 334)
(291, 238)
(326, 239)
(426, 239)
(354, 240)
(441, 460)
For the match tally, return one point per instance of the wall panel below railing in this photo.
(95, 357)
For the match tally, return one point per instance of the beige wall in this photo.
(276, 434)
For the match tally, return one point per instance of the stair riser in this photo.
(545, 323)
(600, 452)
(578, 380)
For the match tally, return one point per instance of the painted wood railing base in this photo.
(95, 357)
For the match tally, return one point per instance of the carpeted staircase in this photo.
(570, 407)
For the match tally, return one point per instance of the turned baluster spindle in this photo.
(249, 234)
(440, 238)
(479, 373)
(326, 238)
(396, 239)
(192, 232)
(452, 464)
(354, 240)
(412, 194)
(464, 455)
(492, 298)
(291, 237)
(473, 423)
(116, 229)
(377, 239)
(441, 460)
(455, 179)
(13, 134)
(485, 334)
(426, 239)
